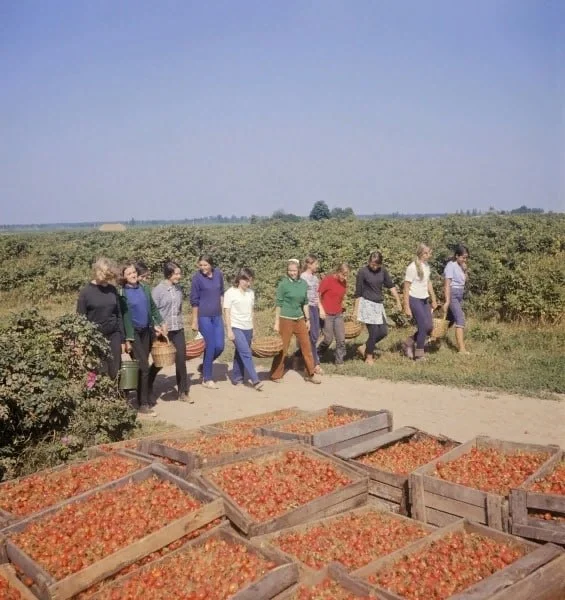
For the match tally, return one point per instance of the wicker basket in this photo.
(352, 328)
(195, 348)
(163, 352)
(266, 347)
(441, 325)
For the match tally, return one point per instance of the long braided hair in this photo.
(422, 248)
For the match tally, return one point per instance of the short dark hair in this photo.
(169, 268)
(207, 258)
(376, 256)
(141, 268)
(460, 250)
(243, 273)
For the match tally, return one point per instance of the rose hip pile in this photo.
(259, 420)
(84, 532)
(213, 445)
(491, 470)
(216, 570)
(39, 491)
(405, 456)
(328, 421)
(270, 486)
(446, 567)
(554, 483)
(7, 591)
(354, 540)
(326, 590)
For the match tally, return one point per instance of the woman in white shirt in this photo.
(455, 274)
(418, 291)
(239, 301)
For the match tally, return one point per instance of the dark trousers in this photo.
(141, 348)
(111, 366)
(334, 326)
(424, 322)
(376, 334)
(178, 340)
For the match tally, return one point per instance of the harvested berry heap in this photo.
(446, 567)
(212, 445)
(270, 486)
(326, 590)
(216, 569)
(260, 420)
(328, 421)
(31, 494)
(491, 470)
(82, 533)
(405, 456)
(354, 540)
(554, 483)
(7, 592)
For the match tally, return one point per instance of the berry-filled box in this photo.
(131, 444)
(285, 487)
(11, 588)
(389, 459)
(462, 561)
(473, 481)
(23, 497)
(218, 565)
(70, 547)
(538, 506)
(330, 427)
(331, 583)
(259, 420)
(353, 538)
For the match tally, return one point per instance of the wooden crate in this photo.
(51, 589)
(441, 502)
(269, 540)
(8, 573)
(536, 557)
(228, 425)
(131, 444)
(331, 440)
(335, 572)
(284, 575)
(522, 500)
(7, 518)
(350, 496)
(389, 487)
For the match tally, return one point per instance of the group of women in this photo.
(131, 314)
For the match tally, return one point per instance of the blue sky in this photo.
(174, 109)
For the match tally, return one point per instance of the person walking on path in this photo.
(140, 316)
(292, 317)
(369, 308)
(239, 302)
(206, 298)
(167, 296)
(455, 274)
(418, 291)
(332, 292)
(98, 301)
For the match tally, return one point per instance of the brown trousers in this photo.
(288, 328)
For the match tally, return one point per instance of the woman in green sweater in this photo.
(292, 317)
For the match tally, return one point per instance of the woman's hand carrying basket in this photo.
(266, 347)
(352, 328)
(163, 352)
(441, 325)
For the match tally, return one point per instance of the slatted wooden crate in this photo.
(51, 589)
(535, 558)
(336, 573)
(387, 486)
(439, 502)
(8, 573)
(7, 518)
(372, 506)
(349, 496)
(284, 575)
(523, 500)
(131, 444)
(258, 420)
(332, 440)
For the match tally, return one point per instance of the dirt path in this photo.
(457, 413)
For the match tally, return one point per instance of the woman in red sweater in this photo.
(332, 291)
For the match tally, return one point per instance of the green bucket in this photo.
(129, 373)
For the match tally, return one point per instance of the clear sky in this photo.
(175, 109)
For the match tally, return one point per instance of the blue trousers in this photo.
(424, 321)
(242, 359)
(212, 330)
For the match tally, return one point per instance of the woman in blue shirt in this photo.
(206, 298)
(455, 274)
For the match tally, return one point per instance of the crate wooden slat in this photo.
(440, 502)
(350, 496)
(269, 540)
(391, 487)
(8, 573)
(7, 518)
(226, 425)
(372, 421)
(51, 589)
(522, 500)
(536, 557)
(284, 575)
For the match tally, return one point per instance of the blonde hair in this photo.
(104, 270)
(418, 260)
